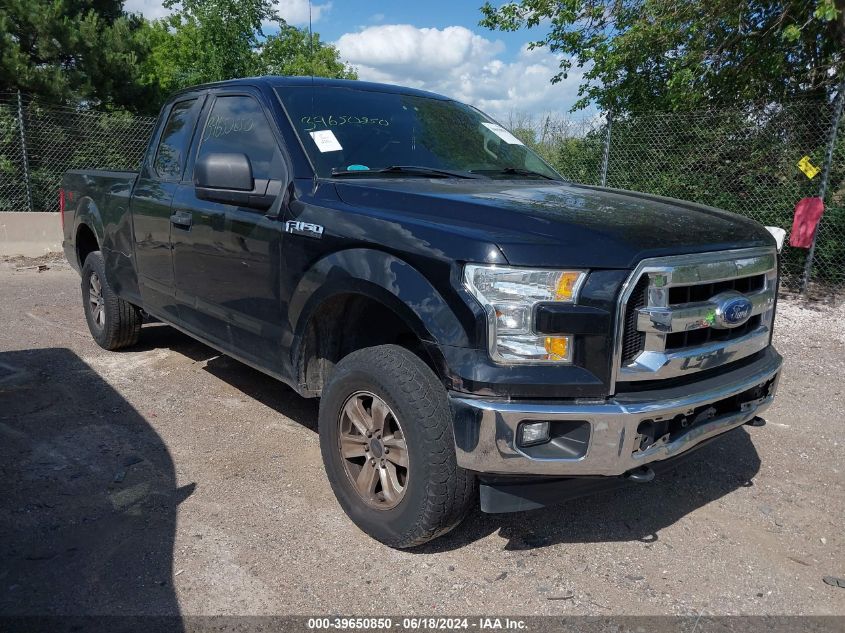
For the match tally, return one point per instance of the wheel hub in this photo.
(373, 449)
(95, 298)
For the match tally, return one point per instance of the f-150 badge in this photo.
(297, 227)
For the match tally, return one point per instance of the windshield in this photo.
(351, 132)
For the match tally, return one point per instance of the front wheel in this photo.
(113, 322)
(388, 446)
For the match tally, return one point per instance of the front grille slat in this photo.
(694, 338)
(703, 292)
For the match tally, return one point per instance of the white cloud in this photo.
(150, 9)
(459, 63)
(293, 11)
(296, 11)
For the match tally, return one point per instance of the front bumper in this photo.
(608, 437)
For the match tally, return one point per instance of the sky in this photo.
(435, 45)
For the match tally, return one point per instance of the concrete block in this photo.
(30, 234)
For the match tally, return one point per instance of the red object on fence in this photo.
(808, 212)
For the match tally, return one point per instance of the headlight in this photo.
(509, 296)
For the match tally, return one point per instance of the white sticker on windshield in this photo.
(326, 141)
(502, 133)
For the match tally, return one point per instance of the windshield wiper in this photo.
(405, 170)
(514, 171)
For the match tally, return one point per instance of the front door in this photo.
(152, 196)
(227, 263)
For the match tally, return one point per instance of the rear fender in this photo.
(115, 247)
(88, 213)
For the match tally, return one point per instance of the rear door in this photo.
(227, 265)
(152, 196)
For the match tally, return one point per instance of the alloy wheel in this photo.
(95, 298)
(373, 449)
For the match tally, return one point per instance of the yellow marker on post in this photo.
(808, 168)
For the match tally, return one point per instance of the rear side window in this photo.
(236, 124)
(173, 146)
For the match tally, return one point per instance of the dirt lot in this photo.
(169, 478)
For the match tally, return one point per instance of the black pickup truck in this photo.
(471, 322)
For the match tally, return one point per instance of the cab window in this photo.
(172, 148)
(237, 124)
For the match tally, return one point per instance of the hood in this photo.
(558, 224)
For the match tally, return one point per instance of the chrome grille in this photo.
(671, 321)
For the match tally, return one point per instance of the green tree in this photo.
(682, 54)
(205, 40)
(213, 40)
(71, 51)
(288, 53)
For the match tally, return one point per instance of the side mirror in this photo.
(227, 178)
(224, 171)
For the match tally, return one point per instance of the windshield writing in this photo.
(344, 129)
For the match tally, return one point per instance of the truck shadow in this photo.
(636, 512)
(251, 382)
(88, 509)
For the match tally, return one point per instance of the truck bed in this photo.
(94, 199)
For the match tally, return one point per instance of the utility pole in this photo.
(24, 156)
(828, 161)
(605, 159)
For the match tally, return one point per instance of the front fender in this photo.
(385, 278)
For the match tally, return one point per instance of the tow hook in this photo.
(640, 475)
(756, 421)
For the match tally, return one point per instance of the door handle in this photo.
(182, 219)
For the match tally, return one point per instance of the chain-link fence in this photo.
(39, 143)
(742, 161)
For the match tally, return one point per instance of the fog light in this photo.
(531, 433)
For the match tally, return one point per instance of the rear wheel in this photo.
(113, 322)
(388, 447)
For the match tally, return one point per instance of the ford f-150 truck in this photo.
(474, 325)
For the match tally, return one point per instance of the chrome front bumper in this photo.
(486, 430)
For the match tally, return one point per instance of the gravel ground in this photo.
(171, 479)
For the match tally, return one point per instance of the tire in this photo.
(436, 494)
(113, 322)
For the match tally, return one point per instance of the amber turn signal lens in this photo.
(557, 347)
(565, 289)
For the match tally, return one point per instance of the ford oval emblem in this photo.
(732, 310)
